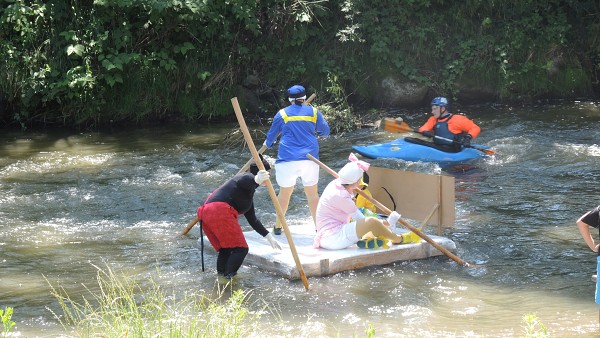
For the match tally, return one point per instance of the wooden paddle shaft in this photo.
(388, 211)
(278, 209)
(264, 147)
(190, 226)
(247, 165)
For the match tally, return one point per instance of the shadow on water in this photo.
(72, 201)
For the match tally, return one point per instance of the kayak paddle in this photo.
(399, 126)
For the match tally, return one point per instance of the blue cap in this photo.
(296, 91)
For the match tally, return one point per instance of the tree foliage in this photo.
(83, 63)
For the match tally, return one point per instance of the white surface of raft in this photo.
(322, 262)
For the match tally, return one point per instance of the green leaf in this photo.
(203, 75)
(107, 64)
(186, 46)
(77, 49)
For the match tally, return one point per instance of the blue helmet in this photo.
(296, 91)
(440, 101)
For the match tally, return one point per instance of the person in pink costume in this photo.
(336, 207)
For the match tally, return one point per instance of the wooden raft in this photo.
(427, 198)
(321, 262)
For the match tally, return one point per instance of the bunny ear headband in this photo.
(352, 171)
(364, 166)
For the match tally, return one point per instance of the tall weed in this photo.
(124, 307)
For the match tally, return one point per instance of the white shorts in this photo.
(287, 173)
(341, 239)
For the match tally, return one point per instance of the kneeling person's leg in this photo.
(376, 226)
(236, 258)
(222, 259)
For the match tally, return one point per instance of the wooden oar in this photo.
(403, 222)
(395, 126)
(264, 147)
(272, 194)
(190, 226)
(244, 168)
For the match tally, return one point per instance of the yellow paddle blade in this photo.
(395, 126)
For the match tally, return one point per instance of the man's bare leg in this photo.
(312, 196)
(284, 201)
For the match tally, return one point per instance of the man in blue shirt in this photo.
(299, 125)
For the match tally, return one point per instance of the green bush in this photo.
(85, 64)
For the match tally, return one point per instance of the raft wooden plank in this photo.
(321, 262)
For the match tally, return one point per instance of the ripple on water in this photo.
(65, 211)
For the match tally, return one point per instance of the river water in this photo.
(72, 201)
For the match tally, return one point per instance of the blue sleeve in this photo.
(322, 126)
(275, 130)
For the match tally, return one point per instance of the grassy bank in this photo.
(120, 306)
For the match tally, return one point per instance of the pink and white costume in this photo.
(335, 208)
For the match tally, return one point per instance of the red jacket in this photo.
(456, 125)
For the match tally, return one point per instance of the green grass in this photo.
(7, 323)
(532, 327)
(122, 307)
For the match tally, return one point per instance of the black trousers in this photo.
(229, 260)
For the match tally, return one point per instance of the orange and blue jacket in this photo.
(457, 124)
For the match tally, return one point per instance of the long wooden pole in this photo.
(278, 209)
(388, 211)
(245, 167)
(190, 226)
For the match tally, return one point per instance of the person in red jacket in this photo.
(219, 216)
(450, 132)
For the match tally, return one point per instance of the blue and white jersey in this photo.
(299, 127)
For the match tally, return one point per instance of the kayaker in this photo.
(219, 217)
(450, 132)
(299, 126)
(336, 207)
(592, 219)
